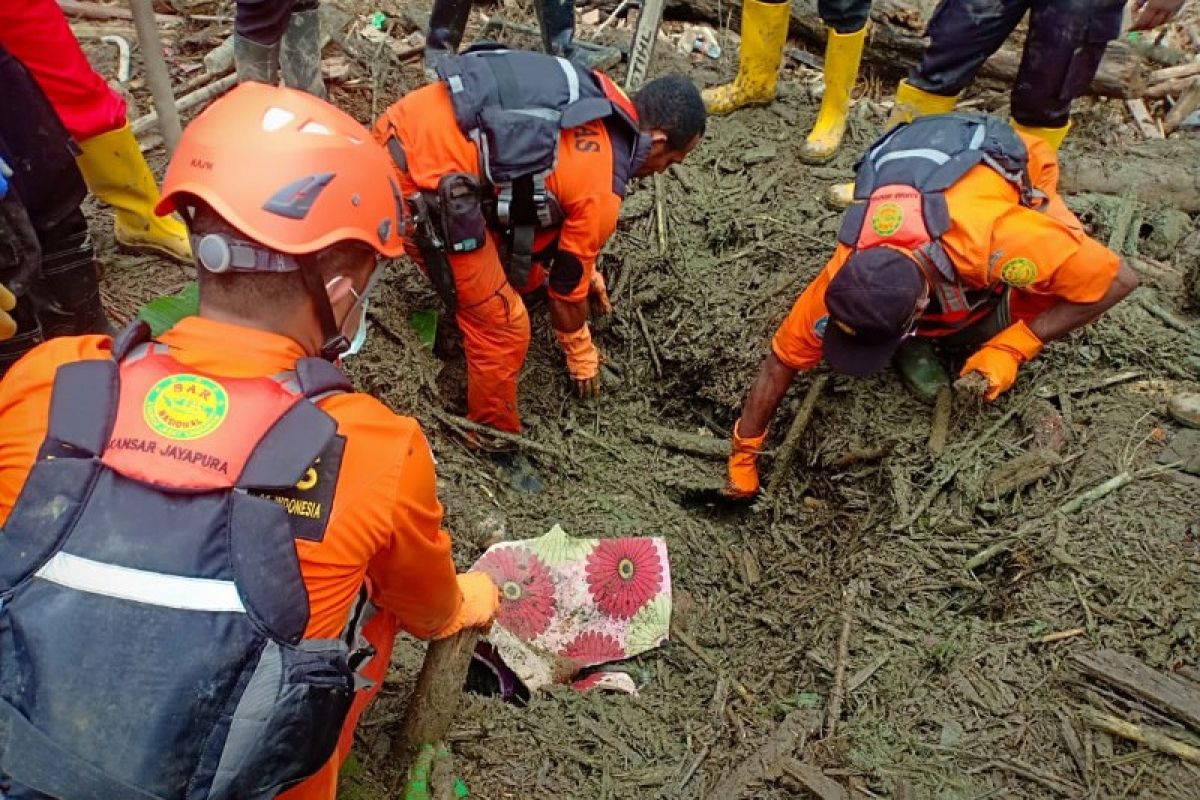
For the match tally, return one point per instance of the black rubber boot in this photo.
(447, 22)
(29, 335)
(556, 18)
(71, 283)
(256, 62)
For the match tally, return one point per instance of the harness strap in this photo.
(83, 409)
(361, 651)
(32, 759)
(132, 335)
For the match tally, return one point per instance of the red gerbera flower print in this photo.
(623, 574)
(526, 592)
(591, 648)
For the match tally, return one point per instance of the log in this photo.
(157, 76)
(1171, 695)
(897, 41)
(436, 697)
(1156, 172)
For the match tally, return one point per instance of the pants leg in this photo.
(556, 18)
(447, 22)
(844, 16)
(1066, 42)
(962, 35)
(264, 21)
(37, 33)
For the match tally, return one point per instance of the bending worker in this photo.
(764, 33)
(1063, 50)
(957, 237)
(37, 33)
(246, 533)
(500, 220)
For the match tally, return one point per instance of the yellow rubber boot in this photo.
(764, 33)
(1051, 136)
(117, 173)
(909, 104)
(843, 52)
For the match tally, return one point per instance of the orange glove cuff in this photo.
(747, 444)
(583, 361)
(480, 601)
(1019, 340)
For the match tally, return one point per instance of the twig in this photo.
(658, 373)
(1059, 636)
(523, 442)
(1188, 102)
(939, 430)
(791, 443)
(864, 674)
(1096, 493)
(86, 10)
(660, 212)
(1166, 317)
(988, 553)
(1051, 782)
(698, 760)
(1087, 388)
(1153, 739)
(690, 644)
(156, 73)
(1087, 610)
(849, 597)
(142, 125)
(1074, 746)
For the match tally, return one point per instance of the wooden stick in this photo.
(1096, 493)
(1188, 102)
(939, 430)
(1168, 692)
(1059, 636)
(462, 423)
(834, 710)
(86, 10)
(435, 698)
(1151, 738)
(156, 73)
(142, 125)
(1142, 118)
(658, 373)
(791, 443)
(660, 213)
(1173, 73)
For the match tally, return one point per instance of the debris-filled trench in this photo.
(896, 617)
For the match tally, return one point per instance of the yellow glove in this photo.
(8, 326)
(480, 602)
(742, 479)
(999, 359)
(583, 360)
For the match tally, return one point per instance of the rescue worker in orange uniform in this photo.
(238, 511)
(578, 198)
(957, 237)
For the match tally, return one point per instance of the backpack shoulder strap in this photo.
(83, 409)
(318, 377)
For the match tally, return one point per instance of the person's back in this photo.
(189, 622)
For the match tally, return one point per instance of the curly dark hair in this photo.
(672, 104)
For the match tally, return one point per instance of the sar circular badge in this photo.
(1018, 272)
(185, 406)
(887, 219)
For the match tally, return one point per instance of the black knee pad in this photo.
(844, 16)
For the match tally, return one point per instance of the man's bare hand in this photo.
(587, 388)
(1152, 13)
(598, 295)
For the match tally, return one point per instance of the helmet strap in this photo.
(334, 342)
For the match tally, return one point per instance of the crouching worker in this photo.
(515, 165)
(210, 539)
(957, 245)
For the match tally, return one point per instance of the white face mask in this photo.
(361, 302)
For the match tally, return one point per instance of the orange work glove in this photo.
(480, 601)
(1000, 357)
(742, 481)
(583, 360)
(8, 326)
(598, 294)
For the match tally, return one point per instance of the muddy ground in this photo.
(952, 693)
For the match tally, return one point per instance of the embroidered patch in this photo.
(887, 219)
(1018, 272)
(185, 406)
(820, 325)
(309, 502)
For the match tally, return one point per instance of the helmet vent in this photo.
(317, 128)
(275, 118)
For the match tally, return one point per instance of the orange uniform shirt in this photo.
(992, 237)
(385, 520)
(582, 179)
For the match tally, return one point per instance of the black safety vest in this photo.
(152, 610)
(900, 202)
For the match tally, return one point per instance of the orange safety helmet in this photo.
(289, 171)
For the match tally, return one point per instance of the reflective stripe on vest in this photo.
(140, 586)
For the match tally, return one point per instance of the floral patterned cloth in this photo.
(567, 604)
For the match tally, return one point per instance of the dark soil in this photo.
(952, 695)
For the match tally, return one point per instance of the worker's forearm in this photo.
(568, 317)
(1059, 320)
(774, 378)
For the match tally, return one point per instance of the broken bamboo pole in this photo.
(436, 697)
(791, 443)
(157, 76)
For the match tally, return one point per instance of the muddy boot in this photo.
(517, 471)
(71, 283)
(300, 54)
(921, 369)
(447, 21)
(256, 62)
(556, 19)
(28, 336)
(1185, 409)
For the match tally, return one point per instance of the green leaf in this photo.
(425, 324)
(162, 313)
